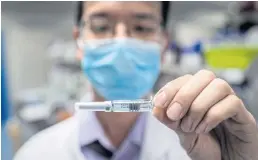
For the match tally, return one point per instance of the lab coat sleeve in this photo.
(29, 151)
(37, 148)
(49, 144)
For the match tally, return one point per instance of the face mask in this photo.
(122, 68)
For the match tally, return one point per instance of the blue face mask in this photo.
(121, 68)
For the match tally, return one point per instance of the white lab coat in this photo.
(60, 142)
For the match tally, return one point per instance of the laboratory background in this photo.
(42, 77)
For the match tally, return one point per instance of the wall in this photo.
(29, 28)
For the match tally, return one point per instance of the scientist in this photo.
(196, 117)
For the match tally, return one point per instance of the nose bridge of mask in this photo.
(123, 60)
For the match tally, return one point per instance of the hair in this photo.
(165, 5)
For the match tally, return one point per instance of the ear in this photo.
(76, 32)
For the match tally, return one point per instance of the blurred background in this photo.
(42, 78)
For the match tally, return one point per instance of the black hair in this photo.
(165, 5)
(79, 13)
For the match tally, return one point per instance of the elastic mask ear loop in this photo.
(80, 40)
(79, 43)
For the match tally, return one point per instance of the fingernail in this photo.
(201, 128)
(208, 129)
(189, 124)
(160, 100)
(175, 111)
(186, 124)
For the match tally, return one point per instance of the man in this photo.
(195, 117)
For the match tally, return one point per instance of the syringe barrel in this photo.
(117, 106)
(132, 106)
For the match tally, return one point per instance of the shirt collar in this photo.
(91, 130)
(136, 135)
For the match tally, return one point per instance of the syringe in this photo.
(139, 105)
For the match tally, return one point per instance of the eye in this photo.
(100, 28)
(100, 25)
(143, 29)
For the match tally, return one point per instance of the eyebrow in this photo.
(99, 15)
(144, 16)
(139, 16)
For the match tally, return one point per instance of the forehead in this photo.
(122, 7)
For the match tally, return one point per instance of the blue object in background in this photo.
(5, 103)
(196, 47)
(4, 89)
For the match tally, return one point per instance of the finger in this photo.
(166, 94)
(217, 90)
(160, 114)
(229, 107)
(186, 95)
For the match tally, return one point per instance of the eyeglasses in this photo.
(139, 26)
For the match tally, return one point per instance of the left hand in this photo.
(210, 120)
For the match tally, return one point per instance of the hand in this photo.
(210, 120)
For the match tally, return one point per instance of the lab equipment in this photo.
(139, 105)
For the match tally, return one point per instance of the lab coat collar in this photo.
(158, 142)
(72, 143)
